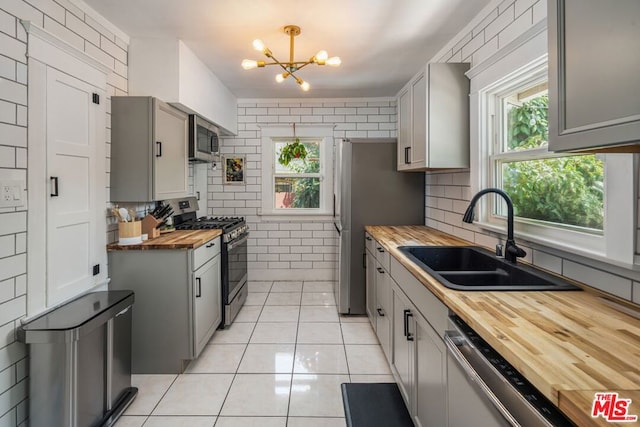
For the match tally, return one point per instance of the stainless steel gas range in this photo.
(235, 234)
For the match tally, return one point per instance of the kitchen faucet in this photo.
(512, 251)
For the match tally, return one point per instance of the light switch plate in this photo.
(11, 193)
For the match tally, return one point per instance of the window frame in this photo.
(270, 135)
(500, 75)
(498, 156)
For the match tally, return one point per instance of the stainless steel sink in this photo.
(471, 268)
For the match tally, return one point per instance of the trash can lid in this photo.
(80, 311)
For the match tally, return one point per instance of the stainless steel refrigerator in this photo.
(368, 190)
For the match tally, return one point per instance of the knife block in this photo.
(149, 224)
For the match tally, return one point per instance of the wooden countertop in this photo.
(568, 344)
(179, 239)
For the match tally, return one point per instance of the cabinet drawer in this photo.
(205, 252)
(382, 255)
(369, 243)
(434, 311)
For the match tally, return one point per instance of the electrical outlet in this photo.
(11, 194)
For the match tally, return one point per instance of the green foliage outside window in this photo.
(566, 190)
(305, 191)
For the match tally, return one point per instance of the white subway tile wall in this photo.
(72, 25)
(447, 193)
(294, 248)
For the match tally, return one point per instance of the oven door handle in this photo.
(237, 242)
(452, 340)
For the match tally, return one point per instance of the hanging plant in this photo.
(293, 150)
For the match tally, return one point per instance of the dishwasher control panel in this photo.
(536, 399)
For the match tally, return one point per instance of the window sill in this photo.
(296, 216)
(572, 251)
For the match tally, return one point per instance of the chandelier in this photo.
(291, 67)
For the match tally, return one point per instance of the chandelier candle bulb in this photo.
(258, 45)
(334, 61)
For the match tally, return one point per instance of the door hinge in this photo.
(96, 269)
(96, 98)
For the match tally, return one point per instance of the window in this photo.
(297, 180)
(582, 204)
(551, 190)
(297, 172)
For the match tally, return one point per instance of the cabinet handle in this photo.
(406, 155)
(210, 245)
(197, 195)
(54, 186)
(364, 260)
(380, 312)
(199, 287)
(159, 149)
(379, 248)
(380, 270)
(368, 238)
(409, 335)
(406, 322)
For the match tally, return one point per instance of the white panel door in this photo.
(72, 207)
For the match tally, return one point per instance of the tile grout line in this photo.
(295, 350)
(235, 375)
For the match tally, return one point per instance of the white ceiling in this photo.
(382, 43)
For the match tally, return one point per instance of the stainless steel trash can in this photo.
(80, 361)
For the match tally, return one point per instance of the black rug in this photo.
(373, 405)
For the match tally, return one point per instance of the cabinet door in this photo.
(402, 344)
(593, 78)
(419, 122)
(75, 240)
(430, 374)
(170, 174)
(207, 306)
(383, 309)
(370, 267)
(404, 129)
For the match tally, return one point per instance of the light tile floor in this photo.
(280, 364)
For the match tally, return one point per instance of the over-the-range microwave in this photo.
(203, 140)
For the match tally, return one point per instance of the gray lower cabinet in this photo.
(419, 362)
(178, 303)
(370, 280)
(378, 292)
(149, 151)
(207, 302)
(594, 88)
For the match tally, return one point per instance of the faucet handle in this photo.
(499, 250)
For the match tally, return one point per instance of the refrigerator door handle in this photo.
(334, 209)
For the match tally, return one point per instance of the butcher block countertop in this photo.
(179, 239)
(568, 344)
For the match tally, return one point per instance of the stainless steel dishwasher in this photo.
(484, 390)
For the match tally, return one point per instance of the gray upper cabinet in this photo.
(594, 88)
(433, 119)
(149, 153)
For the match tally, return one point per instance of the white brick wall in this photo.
(296, 248)
(447, 194)
(74, 26)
